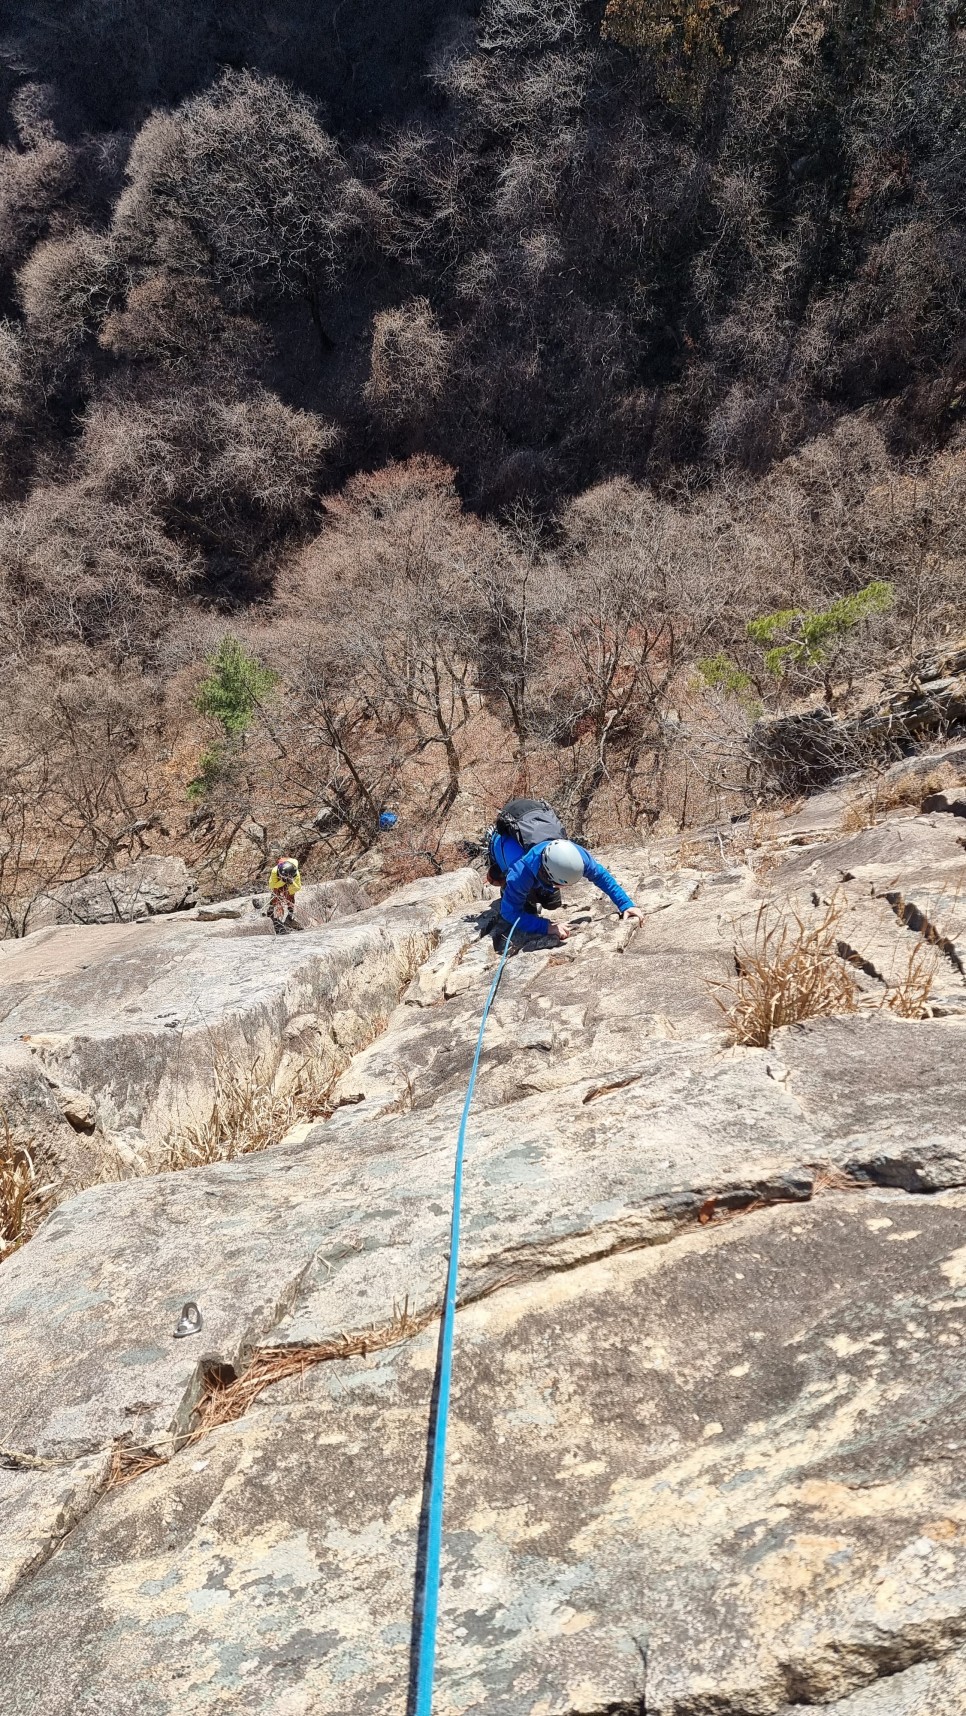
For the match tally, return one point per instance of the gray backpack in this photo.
(530, 820)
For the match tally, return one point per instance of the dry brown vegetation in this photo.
(228, 1397)
(129, 1462)
(908, 993)
(482, 409)
(906, 791)
(421, 656)
(249, 1111)
(253, 1107)
(24, 1200)
(861, 813)
(788, 970)
(17, 1180)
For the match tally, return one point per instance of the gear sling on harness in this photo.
(427, 1578)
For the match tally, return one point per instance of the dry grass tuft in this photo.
(23, 1200)
(790, 970)
(249, 1112)
(906, 791)
(228, 1397)
(909, 995)
(911, 789)
(861, 813)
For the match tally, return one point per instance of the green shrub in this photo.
(235, 684)
(211, 767)
(723, 674)
(805, 637)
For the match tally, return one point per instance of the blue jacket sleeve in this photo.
(607, 884)
(518, 884)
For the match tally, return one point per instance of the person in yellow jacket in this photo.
(285, 883)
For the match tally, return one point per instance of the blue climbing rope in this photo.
(427, 1600)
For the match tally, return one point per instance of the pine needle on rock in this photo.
(128, 1463)
(228, 1397)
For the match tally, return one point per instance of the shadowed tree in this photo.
(241, 184)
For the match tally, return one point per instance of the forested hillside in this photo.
(406, 403)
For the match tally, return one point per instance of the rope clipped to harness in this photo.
(427, 1593)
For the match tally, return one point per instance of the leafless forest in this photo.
(404, 405)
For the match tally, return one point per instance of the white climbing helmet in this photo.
(563, 861)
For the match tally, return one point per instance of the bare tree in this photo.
(410, 354)
(67, 287)
(242, 184)
(394, 571)
(180, 324)
(22, 429)
(519, 606)
(76, 791)
(230, 470)
(640, 605)
(33, 182)
(76, 566)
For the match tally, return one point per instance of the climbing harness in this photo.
(427, 1593)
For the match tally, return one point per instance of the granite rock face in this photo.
(714, 1475)
(150, 886)
(134, 1024)
(936, 1688)
(707, 1453)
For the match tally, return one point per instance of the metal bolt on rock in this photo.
(189, 1322)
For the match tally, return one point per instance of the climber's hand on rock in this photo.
(632, 915)
(558, 932)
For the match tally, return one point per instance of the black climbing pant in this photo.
(542, 894)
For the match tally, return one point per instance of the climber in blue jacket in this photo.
(534, 879)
